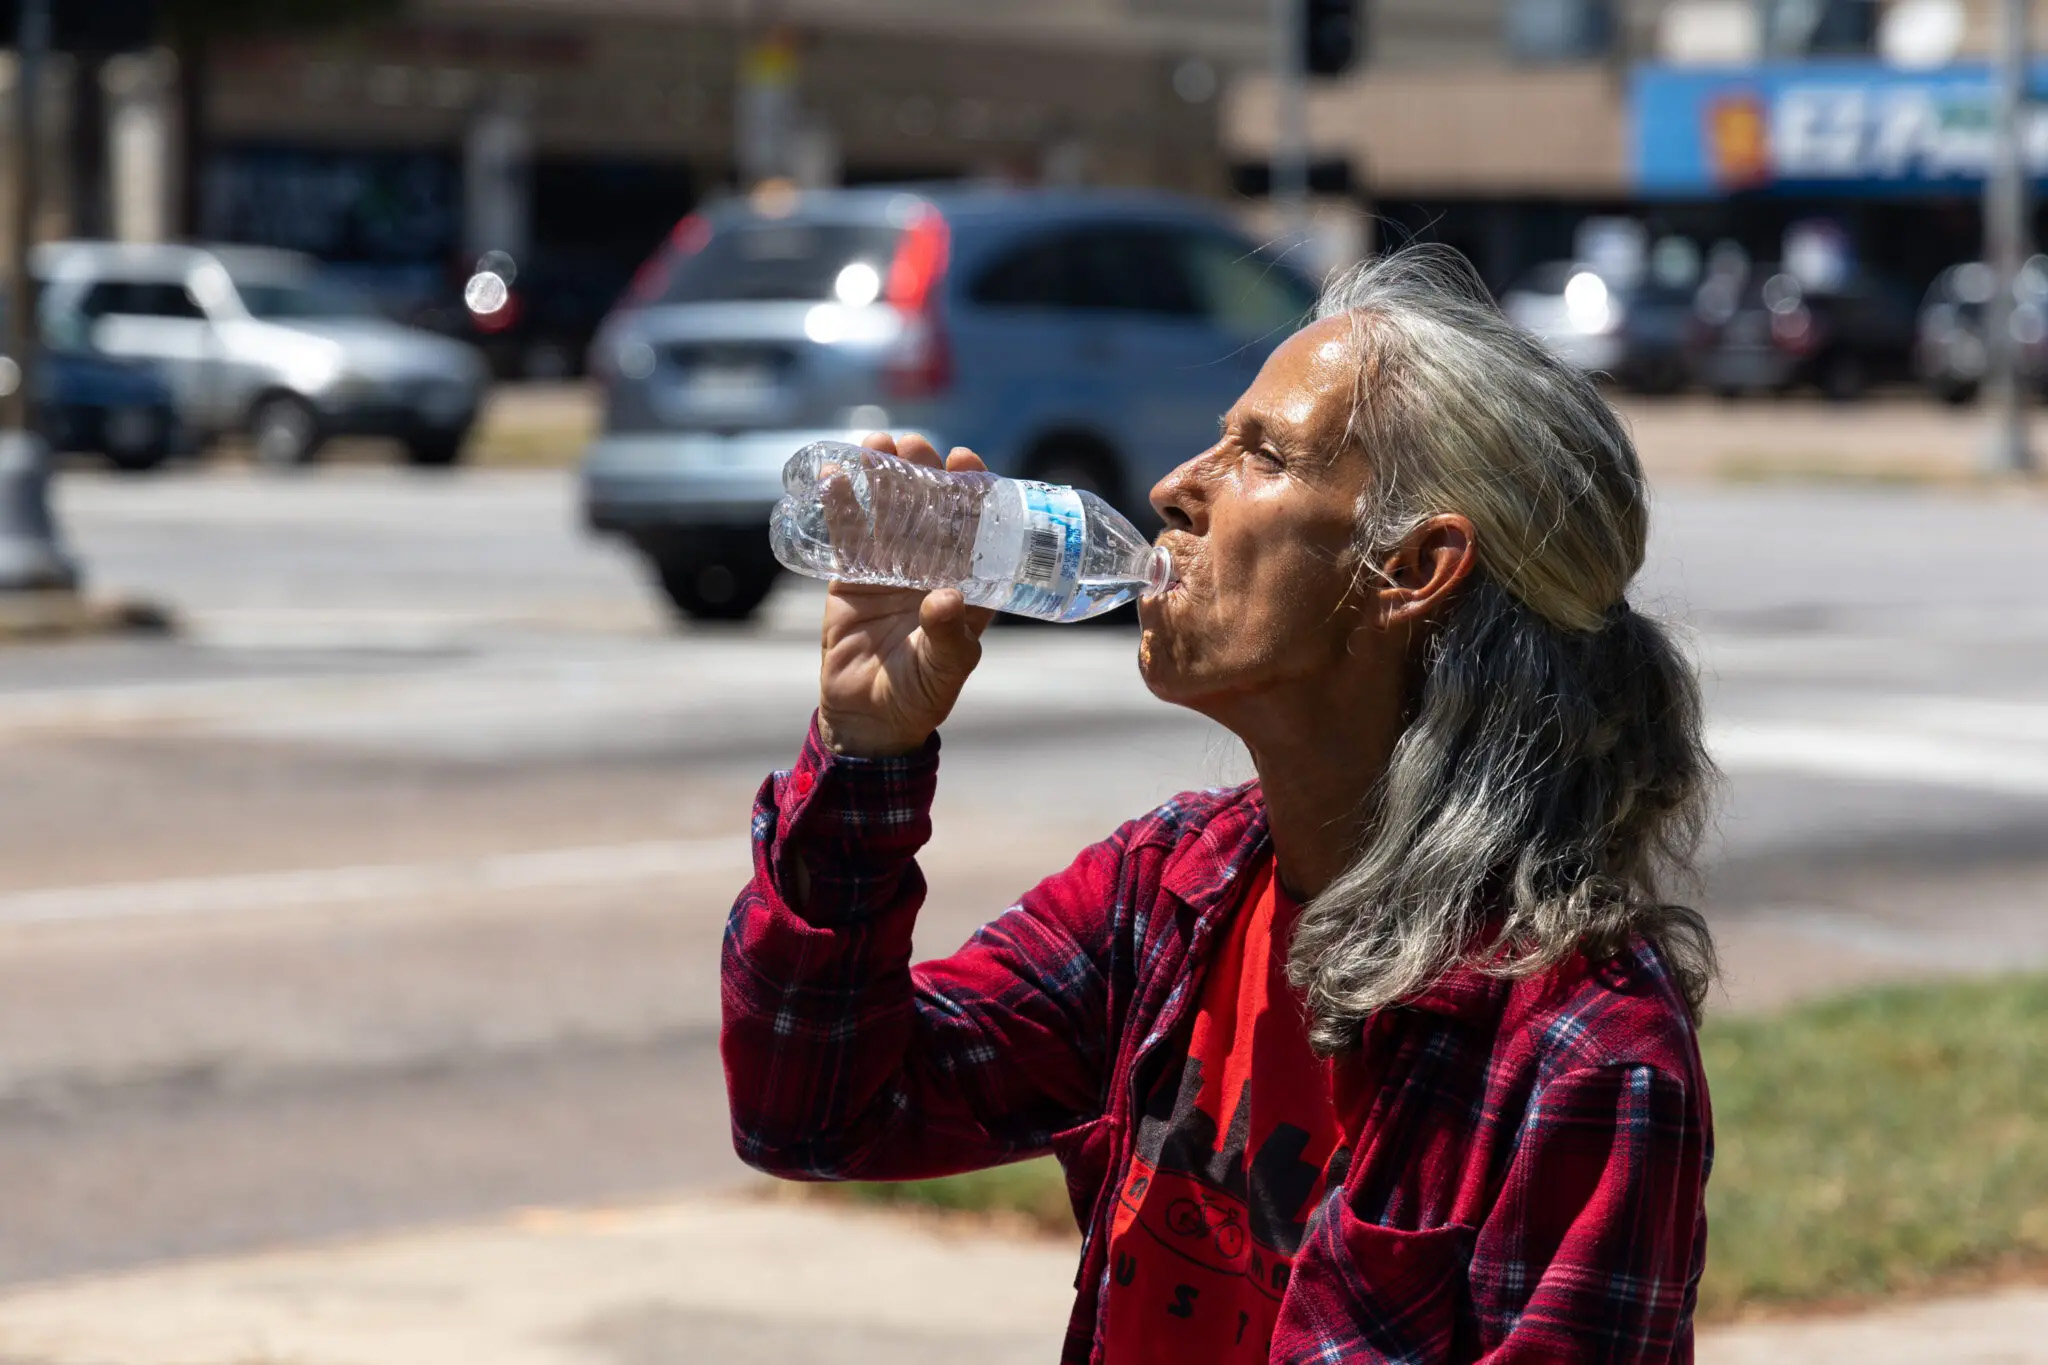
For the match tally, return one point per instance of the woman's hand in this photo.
(895, 658)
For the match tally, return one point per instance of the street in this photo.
(389, 892)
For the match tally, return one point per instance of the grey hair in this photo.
(1552, 772)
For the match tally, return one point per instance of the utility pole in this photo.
(2007, 245)
(30, 557)
(32, 42)
(1290, 128)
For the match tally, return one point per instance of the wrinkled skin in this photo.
(1277, 630)
(1260, 529)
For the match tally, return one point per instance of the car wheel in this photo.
(1843, 377)
(136, 439)
(285, 432)
(715, 587)
(1078, 466)
(1661, 377)
(435, 449)
(1955, 392)
(548, 360)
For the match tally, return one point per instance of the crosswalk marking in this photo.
(1868, 752)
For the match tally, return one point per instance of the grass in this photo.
(1891, 1141)
(1031, 1193)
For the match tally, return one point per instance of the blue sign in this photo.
(1820, 128)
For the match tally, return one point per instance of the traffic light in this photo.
(1330, 34)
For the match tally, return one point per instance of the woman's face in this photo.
(1260, 527)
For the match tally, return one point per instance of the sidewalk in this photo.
(740, 1282)
(737, 1281)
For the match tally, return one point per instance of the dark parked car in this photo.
(1950, 354)
(1766, 332)
(532, 319)
(1632, 331)
(101, 405)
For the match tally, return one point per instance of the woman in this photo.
(1388, 1055)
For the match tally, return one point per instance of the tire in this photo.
(1955, 393)
(547, 360)
(435, 449)
(1079, 466)
(285, 432)
(715, 587)
(136, 441)
(1843, 377)
(1660, 377)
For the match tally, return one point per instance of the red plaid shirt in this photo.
(1532, 1155)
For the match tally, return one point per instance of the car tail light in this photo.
(501, 318)
(685, 240)
(922, 365)
(651, 278)
(1794, 331)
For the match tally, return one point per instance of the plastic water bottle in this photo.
(1037, 549)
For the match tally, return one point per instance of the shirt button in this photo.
(804, 783)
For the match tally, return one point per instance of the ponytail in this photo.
(1549, 782)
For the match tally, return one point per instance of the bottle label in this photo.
(1055, 530)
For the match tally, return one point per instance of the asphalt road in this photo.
(389, 893)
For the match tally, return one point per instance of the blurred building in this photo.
(580, 130)
(576, 132)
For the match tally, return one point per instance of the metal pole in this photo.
(32, 40)
(1290, 124)
(31, 556)
(2007, 246)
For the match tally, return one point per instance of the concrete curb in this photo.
(58, 615)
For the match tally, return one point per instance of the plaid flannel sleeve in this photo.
(842, 1060)
(1593, 1250)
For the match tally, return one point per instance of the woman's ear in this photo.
(1428, 566)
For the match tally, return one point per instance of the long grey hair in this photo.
(1551, 774)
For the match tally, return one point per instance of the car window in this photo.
(1662, 295)
(1110, 268)
(139, 298)
(780, 260)
(286, 300)
(1548, 278)
(1243, 291)
(1042, 273)
(1139, 270)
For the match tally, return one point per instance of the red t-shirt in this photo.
(1232, 1157)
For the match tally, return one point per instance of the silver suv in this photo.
(263, 342)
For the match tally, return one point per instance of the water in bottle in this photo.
(1038, 549)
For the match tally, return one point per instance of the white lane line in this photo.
(773, 681)
(1879, 755)
(541, 869)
